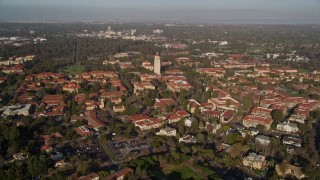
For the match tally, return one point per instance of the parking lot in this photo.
(129, 149)
(92, 150)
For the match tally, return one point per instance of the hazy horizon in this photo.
(202, 11)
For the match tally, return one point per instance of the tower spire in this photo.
(157, 64)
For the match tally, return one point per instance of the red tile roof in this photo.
(119, 174)
(257, 119)
(93, 119)
(164, 102)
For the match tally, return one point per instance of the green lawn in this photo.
(75, 69)
(180, 172)
(255, 50)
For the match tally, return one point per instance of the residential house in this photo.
(147, 65)
(266, 80)
(286, 170)
(167, 131)
(83, 131)
(221, 93)
(288, 127)
(3, 79)
(214, 72)
(287, 70)
(20, 156)
(187, 138)
(80, 98)
(118, 109)
(302, 111)
(142, 86)
(227, 115)
(255, 161)
(262, 140)
(212, 127)
(211, 113)
(60, 164)
(90, 105)
(293, 101)
(188, 122)
(194, 105)
(91, 176)
(119, 175)
(147, 77)
(173, 72)
(290, 140)
(13, 70)
(71, 87)
(47, 148)
(110, 95)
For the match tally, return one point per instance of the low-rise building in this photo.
(261, 111)
(119, 109)
(93, 120)
(18, 109)
(71, 87)
(290, 140)
(164, 102)
(212, 127)
(13, 70)
(145, 122)
(141, 86)
(254, 121)
(147, 65)
(187, 138)
(255, 161)
(224, 103)
(178, 85)
(91, 176)
(188, 122)
(193, 105)
(288, 127)
(262, 140)
(176, 117)
(286, 170)
(167, 131)
(119, 175)
(60, 164)
(83, 131)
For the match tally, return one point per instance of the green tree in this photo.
(36, 166)
(40, 93)
(237, 150)
(233, 138)
(200, 138)
(103, 174)
(195, 125)
(214, 94)
(247, 103)
(83, 168)
(277, 116)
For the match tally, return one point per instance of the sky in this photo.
(209, 11)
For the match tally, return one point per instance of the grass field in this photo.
(75, 69)
(255, 50)
(180, 172)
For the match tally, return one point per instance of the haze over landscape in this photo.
(202, 11)
(165, 90)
